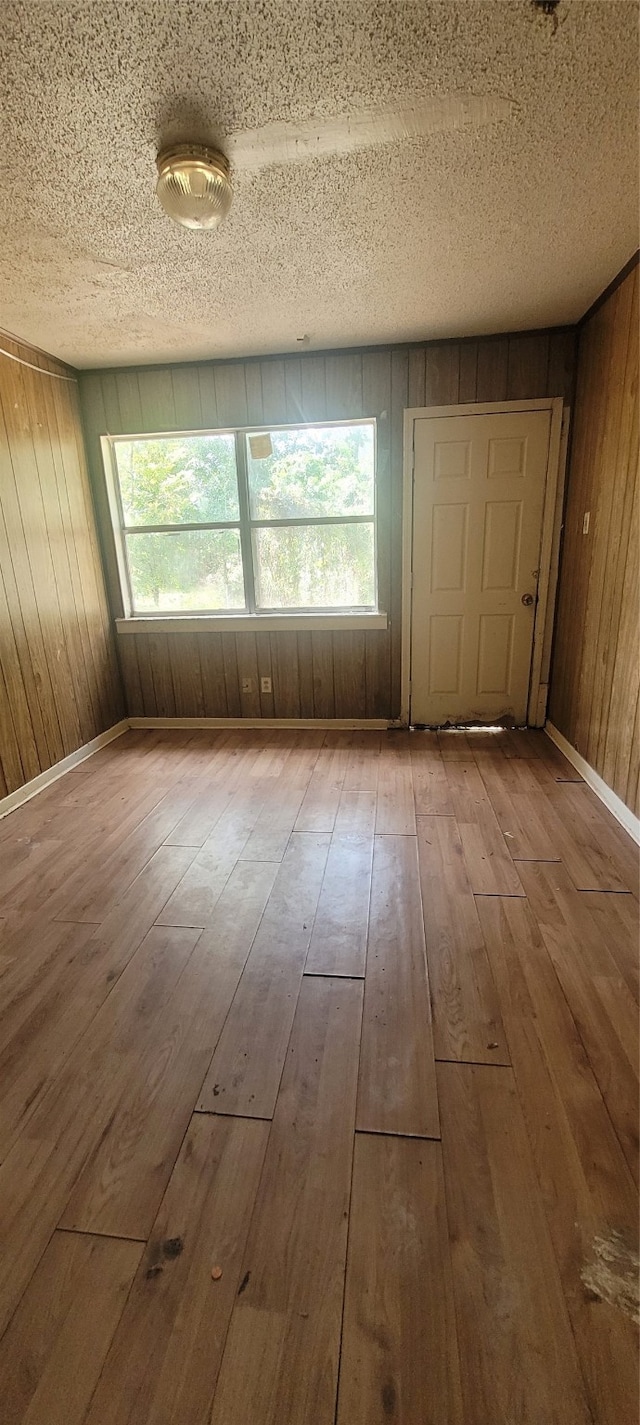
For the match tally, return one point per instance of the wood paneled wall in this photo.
(595, 680)
(59, 679)
(315, 675)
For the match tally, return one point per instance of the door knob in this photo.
(527, 599)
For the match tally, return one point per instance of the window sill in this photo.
(243, 623)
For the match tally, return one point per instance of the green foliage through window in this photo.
(309, 541)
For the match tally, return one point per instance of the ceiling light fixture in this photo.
(193, 185)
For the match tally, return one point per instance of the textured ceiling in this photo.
(514, 223)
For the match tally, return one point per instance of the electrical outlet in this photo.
(247, 685)
(585, 521)
(265, 685)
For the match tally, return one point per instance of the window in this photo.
(247, 521)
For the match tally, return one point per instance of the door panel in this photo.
(478, 495)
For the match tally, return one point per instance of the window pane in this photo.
(317, 566)
(199, 569)
(325, 470)
(178, 480)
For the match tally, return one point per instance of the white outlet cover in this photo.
(265, 685)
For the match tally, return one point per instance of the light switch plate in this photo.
(247, 685)
(585, 521)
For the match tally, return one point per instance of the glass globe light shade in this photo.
(193, 185)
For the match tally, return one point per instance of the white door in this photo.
(478, 495)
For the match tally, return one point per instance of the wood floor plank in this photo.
(517, 742)
(75, 874)
(454, 745)
(44, 1013)
(363, 762)
(617, 921)
(39, 1172)
(397, 1085)
(123, 1181)
(522, 810)
(270, 836)
(399, 1358)
(281, 1357)
(356, 815)
(111, 879)
(164, 1361)
(431, 792)
(53, 1351)
(322, 797)
(225, 774)
(590, 980)
(395, 814)
(281, 805)
(510, 1308)
(339, 939)
(602, 828)
(489, 865)
(112, 1032)
(596, 858)
(24, 867)
(588, 1192)
(247, 1065)
(195, 898)
(486, 742)
(467, 1023)
(561, 769)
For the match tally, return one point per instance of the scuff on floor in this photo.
(612, 1275)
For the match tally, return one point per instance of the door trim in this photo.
(549, 547)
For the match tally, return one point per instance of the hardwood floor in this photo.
(318, 1086)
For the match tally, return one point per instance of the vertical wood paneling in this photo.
(231, 395)
(204, 376)
(416, 390)
(349, 673)
(263, 654)
(186, 399)
(293, 391)
(59, 677)
(247, 663)
(214, 690)
(399, 401)
(305, 674)
(468, 371)
(156, 398)
(595, 681)
(527, 366)
(315, 387)
(343, 382)
(493, 362)
(274, 394)
(442, 374)
(376, 396)
(561, 372)
(285, 674)
(253, 384)
(324, 703)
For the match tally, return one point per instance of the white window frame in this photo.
(234, 620)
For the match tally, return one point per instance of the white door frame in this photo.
(549, 546)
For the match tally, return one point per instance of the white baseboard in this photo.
(30, 789)
(339, 723)
(614, 803)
